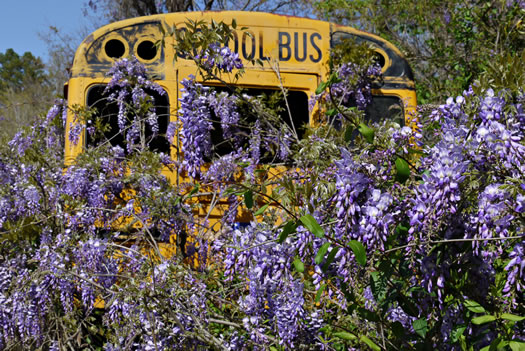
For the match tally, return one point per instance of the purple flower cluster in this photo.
(493, 216)
(222, 58)
(112, 227)
(436, 199)
(355, 85)
(363, 213)
(516, 269)
(224, 168)
(361, 93)
(128, 88)
(225, 107)
(199, 104)
(273, 293)
(195, 118)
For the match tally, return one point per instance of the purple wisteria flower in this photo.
(516, 270)
(222, 58)
(273, 292)
(195, 118)
(129, 87)
(225, 107)
(364, 213)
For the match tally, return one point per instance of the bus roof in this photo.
(298, 44)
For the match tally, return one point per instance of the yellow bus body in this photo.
(295, 54)
(298, 47)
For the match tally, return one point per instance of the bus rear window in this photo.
(299, 114)
(382, 108)
(385, 108)
(107, 114)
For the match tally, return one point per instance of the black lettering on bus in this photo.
(297, 45)
(248, 34)
(261, 48)
(316, 48)
(284, 45)
(235, 43)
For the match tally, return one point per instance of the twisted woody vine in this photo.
(372, 235)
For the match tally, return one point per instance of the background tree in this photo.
(25, 91)
(15, 70)
(115, 10)
(448, 43)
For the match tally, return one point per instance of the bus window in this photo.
(383, 108)
(389, 57)
(107, 112)
(297, 101)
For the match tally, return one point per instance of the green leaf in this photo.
(473, 306)
(359, 251)
(483, 319)
(517, 345)
(401, 229)
(512, 317)
(319, 293)
(370, 343)
(298, 264)
(457, 331)
(333, 78)
(194, 190)
(367, 132)
(498, 344)
(320, 254)
(288, 229)
(379, 285)
(402, 170)
(348, 133)
(331, 112)
(321, 88)
(420, 327)
(368, 315)
(330, 258)
(398, 330)
(311, 224)
(248, 198)
(345, 336)
(234, 24)
(261, 210)
(408, 305)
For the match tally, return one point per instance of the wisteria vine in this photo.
(345, 253)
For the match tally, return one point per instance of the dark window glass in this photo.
(115, 48)
(385, 107)
(107, 113)
(297, 101)
(382, 108)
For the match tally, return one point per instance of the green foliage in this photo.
(311, 224)
(17, 71)
(359, 251)
(24, 91)
(367, 132)
(301, 263)
(402, 170)
(448, 43)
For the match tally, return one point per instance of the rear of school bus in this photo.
(295, 52)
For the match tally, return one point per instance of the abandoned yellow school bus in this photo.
(295, 53)
(299, 46)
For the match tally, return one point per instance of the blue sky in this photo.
(22, 20)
